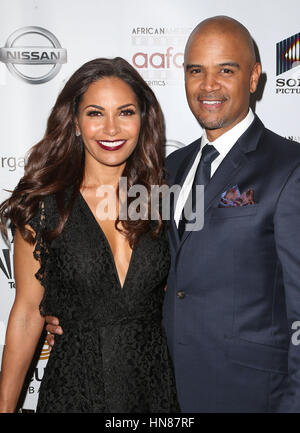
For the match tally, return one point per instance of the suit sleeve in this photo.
(287, 238)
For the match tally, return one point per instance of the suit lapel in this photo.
(230, 166)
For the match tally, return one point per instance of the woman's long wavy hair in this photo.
(57, 161)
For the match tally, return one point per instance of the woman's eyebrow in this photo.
(101, 108)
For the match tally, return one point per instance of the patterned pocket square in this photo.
(233, 197)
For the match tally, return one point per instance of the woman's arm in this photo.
(25, 324)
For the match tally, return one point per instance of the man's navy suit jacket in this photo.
(230, 330)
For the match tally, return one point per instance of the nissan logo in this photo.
(15, 53)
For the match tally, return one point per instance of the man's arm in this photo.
(287, 237)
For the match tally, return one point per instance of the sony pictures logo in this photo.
(29, 51)
(288, 61)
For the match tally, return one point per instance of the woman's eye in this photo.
(127, 112)
(94, 113)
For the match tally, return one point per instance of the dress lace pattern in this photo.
(113, 355)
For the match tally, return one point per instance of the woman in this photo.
(103, 278)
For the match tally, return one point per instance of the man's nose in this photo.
(210, 82)
(111, 125)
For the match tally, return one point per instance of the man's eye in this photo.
(195, 71)
(227, 71)
(94, 113)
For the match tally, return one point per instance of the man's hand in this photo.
(52, 328)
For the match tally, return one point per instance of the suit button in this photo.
(180, 294)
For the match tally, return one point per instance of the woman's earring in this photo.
(77, 133)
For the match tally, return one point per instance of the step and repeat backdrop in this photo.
(43, 42)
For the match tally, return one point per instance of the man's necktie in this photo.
(202, 177)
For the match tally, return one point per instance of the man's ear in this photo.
(254, 78)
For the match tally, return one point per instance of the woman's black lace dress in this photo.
(113, 355)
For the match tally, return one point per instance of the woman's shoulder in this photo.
(45, 210)
(46, 215)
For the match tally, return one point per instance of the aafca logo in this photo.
(158, 53)
(288, 63)
(6, 267)
(33, 54)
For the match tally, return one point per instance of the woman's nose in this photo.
(111, 125)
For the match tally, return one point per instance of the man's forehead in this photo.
(218, 47)
(221, 25)
(221, 35)
(215, 37)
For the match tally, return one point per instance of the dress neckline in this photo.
(99, 230)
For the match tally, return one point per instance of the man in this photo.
(233, 290)
(232, 300)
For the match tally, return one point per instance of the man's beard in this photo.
(217, 124)
(214, 124)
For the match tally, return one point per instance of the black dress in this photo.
(112, 356)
